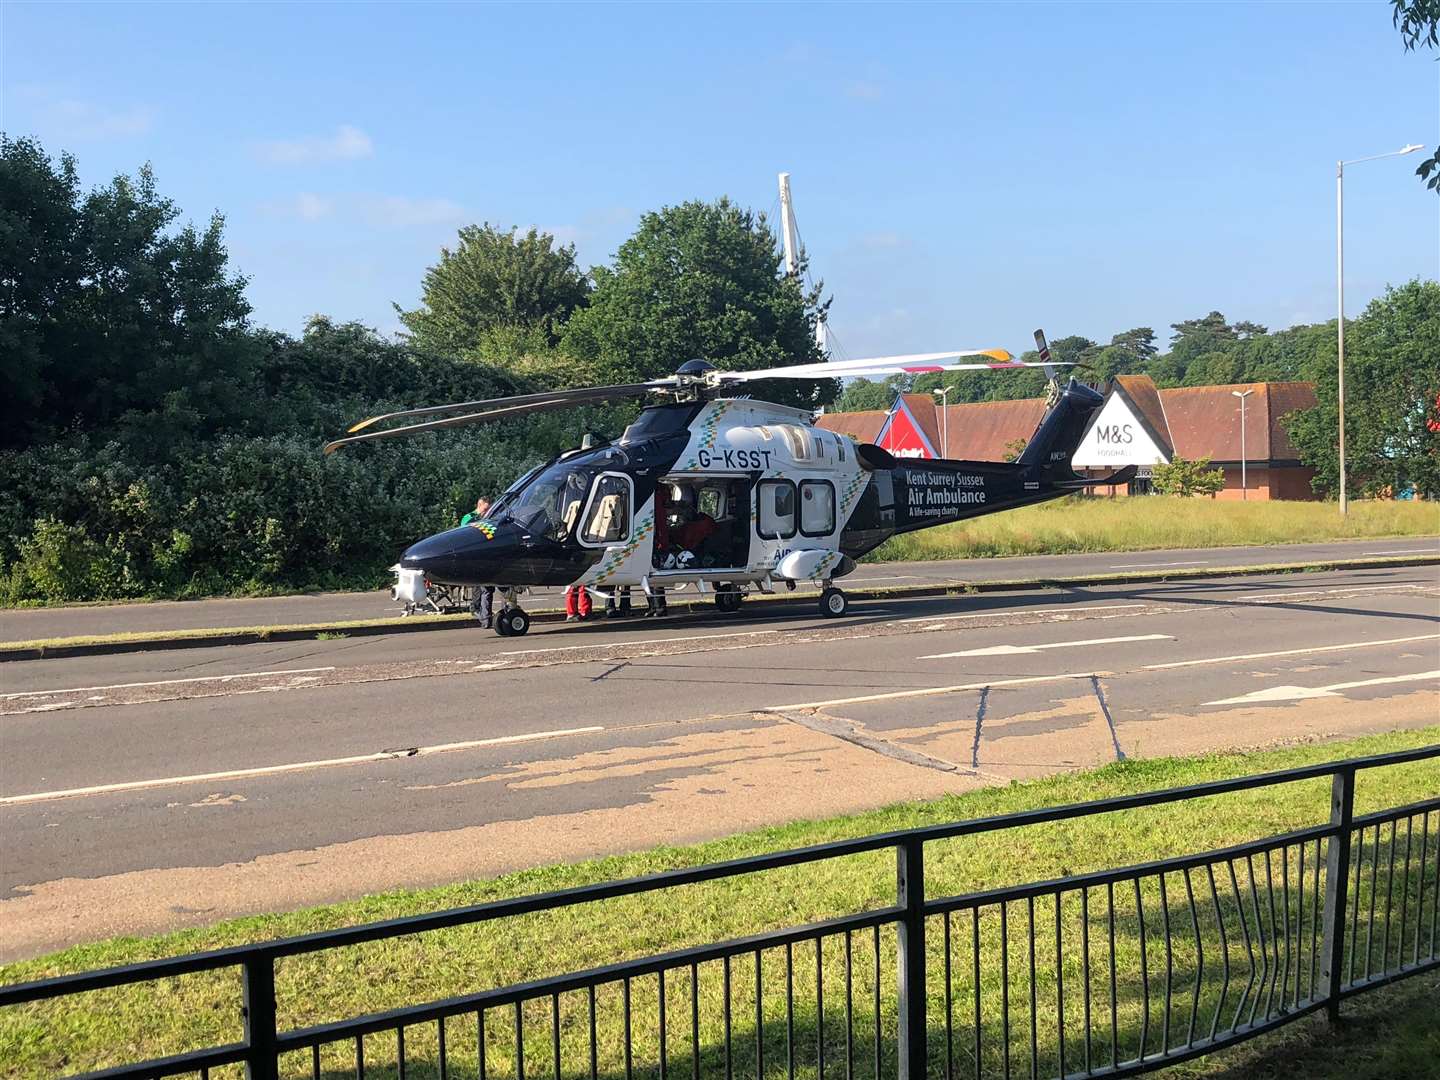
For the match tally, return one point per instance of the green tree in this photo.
(862, 395)
(701, 280)
(39, 269)
(1188, 478)
(1419, 24)
(1127, 354)
(1138, 343)
(497, 296)
(1392, 381)
(110, 313)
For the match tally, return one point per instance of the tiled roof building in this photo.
(1190, 422)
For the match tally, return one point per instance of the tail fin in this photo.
(1063, 426)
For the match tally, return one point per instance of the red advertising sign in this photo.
(902, 435)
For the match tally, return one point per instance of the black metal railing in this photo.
(1111, 973)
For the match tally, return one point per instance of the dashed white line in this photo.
(639, 641)
(1309, 594)
(166, 682)
(1292, 652)
(1022, 650)
(1403, 551)
(296, 766)
(1142, 565)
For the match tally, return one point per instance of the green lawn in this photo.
(149, 1020)
(1076, 524)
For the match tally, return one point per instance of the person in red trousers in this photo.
(577, 603)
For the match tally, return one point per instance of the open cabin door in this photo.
(702, 525)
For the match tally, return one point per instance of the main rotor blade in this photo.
(564, 399)
(912, 364)
(588, 393)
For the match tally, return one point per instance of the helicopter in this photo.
(721, 492)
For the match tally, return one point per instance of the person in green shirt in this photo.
(482, 606)
(482, 507)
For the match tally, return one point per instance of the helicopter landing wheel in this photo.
(728, 599)
(513, 622)
(833, 603)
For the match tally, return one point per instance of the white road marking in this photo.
(1301, 693)
(1304, 594)
(639, 641)
(165, 682)
(931, 691)
(1021, 650)
(1292, 652)
(1403, 551)
(1141, 565)
(760, 633)
(1042, 611)
(296, 766)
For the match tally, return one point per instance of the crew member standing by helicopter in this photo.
(482, 604)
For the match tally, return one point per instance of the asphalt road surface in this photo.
(143, 792)
(36, 623)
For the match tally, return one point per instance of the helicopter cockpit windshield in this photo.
(549, 503)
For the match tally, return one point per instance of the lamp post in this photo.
(1244, 487)
(1340, 292)
(944, 395)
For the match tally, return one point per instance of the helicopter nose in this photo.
(468, 555)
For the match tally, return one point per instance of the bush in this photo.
(1187, 478)
(89, 522)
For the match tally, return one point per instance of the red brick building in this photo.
(1139, 424)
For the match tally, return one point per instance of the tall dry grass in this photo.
(1081, 524)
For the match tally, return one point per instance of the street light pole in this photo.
(944, 395)
(1244, 485)
(1340, 295)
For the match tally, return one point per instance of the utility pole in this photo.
(1244, 487)
(790, 239)
(788, 232)
(1340, 294)
(944, 395)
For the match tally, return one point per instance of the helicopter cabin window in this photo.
(607, 517)
(817, 507)
(777, 509)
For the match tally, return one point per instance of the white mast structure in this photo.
(790, 237)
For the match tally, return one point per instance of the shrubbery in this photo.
(86, 521)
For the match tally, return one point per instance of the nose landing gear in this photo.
(513, 620)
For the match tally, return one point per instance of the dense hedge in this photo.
(84, 520)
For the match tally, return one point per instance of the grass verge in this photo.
(1082, 524)
(106, 1027)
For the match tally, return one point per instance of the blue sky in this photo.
(962, 173)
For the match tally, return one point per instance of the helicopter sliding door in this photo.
(702, 524)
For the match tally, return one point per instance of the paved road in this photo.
(33, 624)
(148, 791)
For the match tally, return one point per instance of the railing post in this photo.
(910, 966)
(259, 1010)
(1337, 875)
